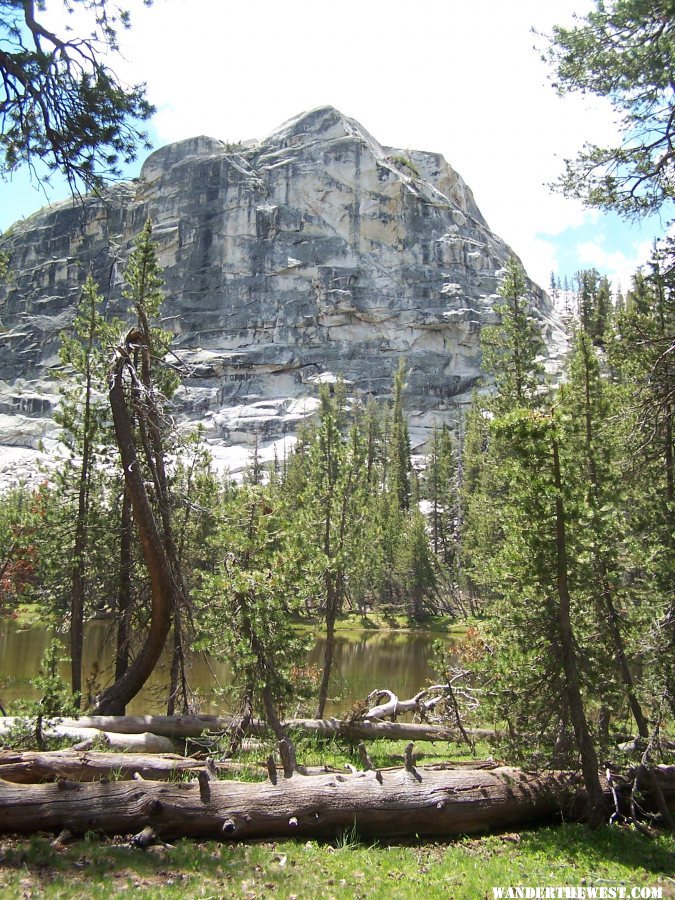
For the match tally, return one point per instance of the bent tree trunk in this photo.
(162, 583)
(388, 803)
(124, 587)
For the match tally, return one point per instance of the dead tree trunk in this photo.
(72, 730)
(193, 726)
(389, 803)
(30, 767)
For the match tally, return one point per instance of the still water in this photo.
(364, 660)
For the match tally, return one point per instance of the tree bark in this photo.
(389, 803)
(331, 616)
(79, 569)
(78, 574)
(124, 588)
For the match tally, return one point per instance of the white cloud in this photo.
(458, 78)
(618, 265)
(542, 259)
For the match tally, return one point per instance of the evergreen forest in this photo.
(541, 528)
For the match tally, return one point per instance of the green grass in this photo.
(335, 752)
(347, 867)
(465, 869)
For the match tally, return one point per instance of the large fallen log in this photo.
(389, 803)
(33, 767)
(368, 730)
(139, 741)
(194, 726)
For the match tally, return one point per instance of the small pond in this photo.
(364, 660)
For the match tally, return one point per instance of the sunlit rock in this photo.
(312, 254)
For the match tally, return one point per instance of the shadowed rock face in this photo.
(313, 253)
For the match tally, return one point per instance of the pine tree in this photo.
(246, 605)
(417, 567)
(594, 304)
(622, 50)
(399, 467)
(81, 415)
(590, 405)
(329, 485)
(641, 352)
(441, 491)
(513, 349)
(519, 530)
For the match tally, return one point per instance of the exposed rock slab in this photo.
(314, 252)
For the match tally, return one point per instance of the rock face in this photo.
(314, 253)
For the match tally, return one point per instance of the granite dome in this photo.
(313, 253)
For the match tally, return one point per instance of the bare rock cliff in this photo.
(314, 253)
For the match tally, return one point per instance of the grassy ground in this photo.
(467, 869)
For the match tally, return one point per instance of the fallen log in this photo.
(423, 702)
(164, 726)
(33, 767)
(194, 726)
(366, 729)
(29, 767)
(387, 803)
(72, 729)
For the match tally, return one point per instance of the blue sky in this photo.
(607, 243)
(462, 79)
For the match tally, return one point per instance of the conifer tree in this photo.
(417, 567)
(513, 348)
(399, 466)
(80, 415)
(440, 489)
(597, 439)
(518, 526)
(641, 352)
(622, 50)
(328, 484)
(246, 605)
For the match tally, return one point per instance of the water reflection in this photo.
(364, 661)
